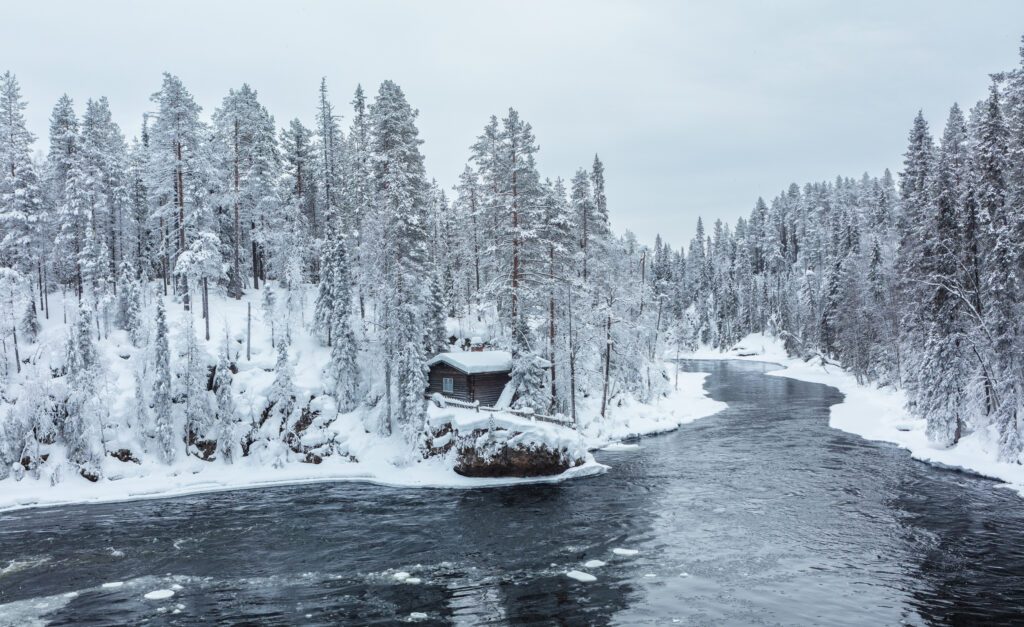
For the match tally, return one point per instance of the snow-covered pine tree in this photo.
(329, 147)
(1002, 260)
(128, 315)
(199, 426)
(399, 230)
(281, 398)
(11, 290)
(268, 303)
(226, 422)
(358, 195)
(85, 410)
(299, 158)
(29, 323)
(20, 194)
(940, 393)
(29, 425)
(177, 173)
(336, 315)
(530, 379)
(163, 428)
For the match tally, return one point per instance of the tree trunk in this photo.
(476, 241)
(255, 265)
(180, 181)
(238, 223)
(46, 296)
(677, 364)
(607, 362)
(657, 329)
(551, 349)
(248, 332)
(387, 396)
(17, 357)
(515, 250)
(39, 273)
(206, 306)
(643, 279)
(551, 323)
(583, 242)
(572, 365)
(164, 261)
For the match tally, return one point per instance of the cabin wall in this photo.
(460, 381)
(487, 388)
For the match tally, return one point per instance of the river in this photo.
(760, 514)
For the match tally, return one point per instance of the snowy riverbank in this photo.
(879, 414)
(631, 419)
(382, 461)
(347, 446)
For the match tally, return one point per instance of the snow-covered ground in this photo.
(360, 452)
(878, 413)
(629, 419)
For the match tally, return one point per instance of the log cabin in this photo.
(470, 376)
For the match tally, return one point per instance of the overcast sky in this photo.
(695, 108)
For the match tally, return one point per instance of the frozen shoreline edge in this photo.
(590, 468)
(889, 422)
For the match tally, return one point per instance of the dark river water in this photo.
(758, 515)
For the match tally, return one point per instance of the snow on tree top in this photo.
(476, 362)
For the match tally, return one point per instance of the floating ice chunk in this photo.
(401, 575)
(70, 595)
(579, 575)
(113, 584)
(157, 595)
(417, 615)
(115, 552)
(176, 586)
(594, 564)
(626, 552)
(414, 580)
(650, 575)
(684, 574)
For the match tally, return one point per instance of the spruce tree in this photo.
(163, 428)
(226, 412)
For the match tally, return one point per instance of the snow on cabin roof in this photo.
(477, 362)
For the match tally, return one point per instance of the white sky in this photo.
(696, 108)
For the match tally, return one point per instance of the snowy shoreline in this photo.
(879, 414)
(435, 477)
(193, 476)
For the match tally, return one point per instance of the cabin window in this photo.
(448, 385)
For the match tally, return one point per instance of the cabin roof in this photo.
(475, 362)
(478, 362)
